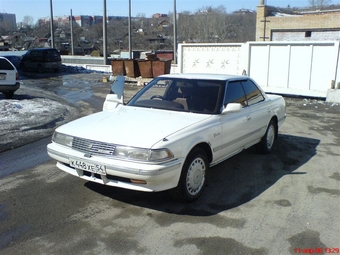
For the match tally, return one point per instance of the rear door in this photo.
(260, 111)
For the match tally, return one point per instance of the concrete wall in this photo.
(81, 60)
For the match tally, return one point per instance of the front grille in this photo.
(93, 147)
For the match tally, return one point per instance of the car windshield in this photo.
(177, 94)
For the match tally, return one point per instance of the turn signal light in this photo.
(138, 181)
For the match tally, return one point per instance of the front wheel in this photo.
(40, 68)
(266, 144)
(193, 176)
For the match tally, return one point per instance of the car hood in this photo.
(131, 126)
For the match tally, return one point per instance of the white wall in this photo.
(296, 68)
(211, 58)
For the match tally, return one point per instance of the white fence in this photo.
(295, 68)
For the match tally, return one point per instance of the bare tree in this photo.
(215, 25)
(319, 3)
(27, 21)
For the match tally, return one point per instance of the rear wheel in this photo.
(193, 176)
(9, 94)
(267, 141)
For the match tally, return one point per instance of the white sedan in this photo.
(170, 133)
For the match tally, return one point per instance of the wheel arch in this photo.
(206, 148)
(276, 120)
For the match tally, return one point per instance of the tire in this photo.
(9, 94)
(40, 68)
(266, 144)
(193, 177)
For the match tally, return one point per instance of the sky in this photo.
(41, 8)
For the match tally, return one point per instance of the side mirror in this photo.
(232, 107)
(116, 95)
(112, 101)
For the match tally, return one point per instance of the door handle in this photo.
(248, 117)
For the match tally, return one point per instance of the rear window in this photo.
(51, 55)
(5, 65)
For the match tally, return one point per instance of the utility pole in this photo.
(104, 33)
(51, 25)
(72, 43)
(130, 38)
(175, 33)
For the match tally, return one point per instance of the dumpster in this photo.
(117, 66)
(160, 67)
(145, 68)
(131, 68)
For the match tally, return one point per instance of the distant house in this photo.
(159, 15)
(3, 44)
(157, 42)
(243, 11)
(291, 24)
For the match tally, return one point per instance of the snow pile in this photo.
(25, 119)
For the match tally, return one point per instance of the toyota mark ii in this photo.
(170, 133)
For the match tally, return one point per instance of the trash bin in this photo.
(131, 68)
(117, 66)
(160, 67)
(145, 68)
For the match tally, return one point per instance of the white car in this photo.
(9, 78)
(170, 133)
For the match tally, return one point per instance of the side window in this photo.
(235, 94)
(36, 55)
(253, 94)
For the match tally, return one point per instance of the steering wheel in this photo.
(157, 97)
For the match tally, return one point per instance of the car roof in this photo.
(204, 76)
(3, 57)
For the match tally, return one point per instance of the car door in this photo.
(260, 111)
(35, 58)
(234, 126)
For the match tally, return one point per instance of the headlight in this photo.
(62, 139)
(143, 154)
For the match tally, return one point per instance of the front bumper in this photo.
(123, 174)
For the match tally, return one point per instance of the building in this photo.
(289, 24)
(8, 22)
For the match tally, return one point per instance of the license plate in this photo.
(90, 167)
(2, 77)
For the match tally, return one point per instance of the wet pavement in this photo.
(286, 202)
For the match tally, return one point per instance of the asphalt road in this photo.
(286, 202)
